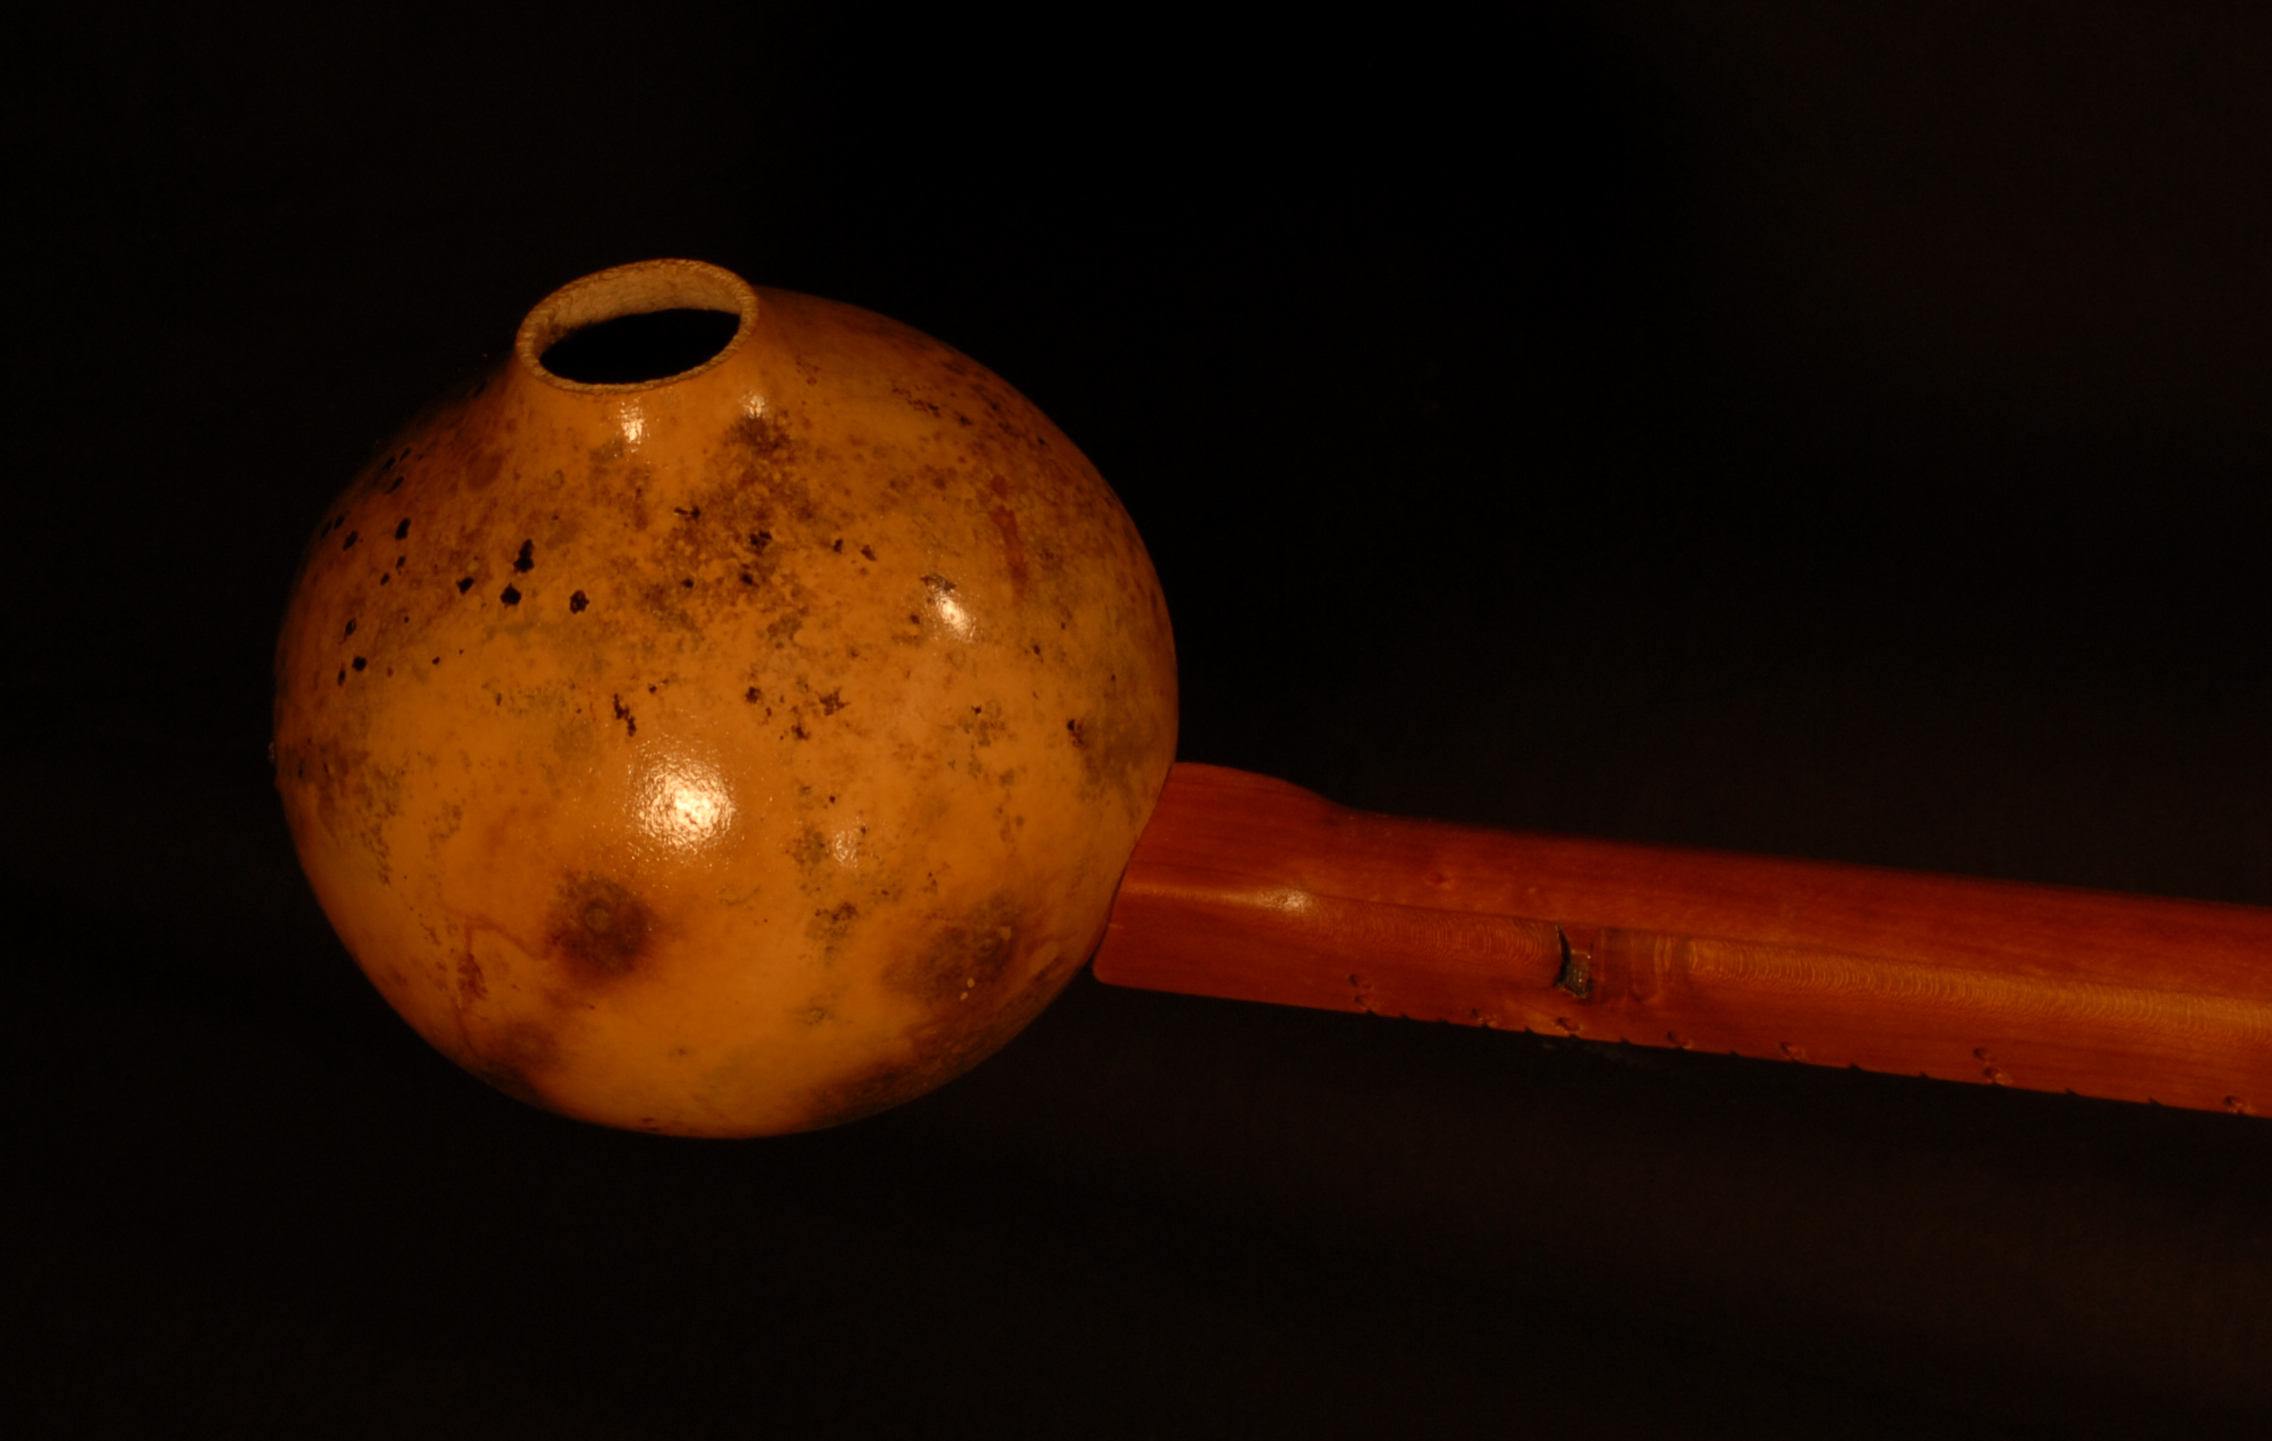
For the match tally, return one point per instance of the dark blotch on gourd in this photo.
(599, 929)
(507, 1058)
(505, 1077)
(963, 960)
(957, 1037)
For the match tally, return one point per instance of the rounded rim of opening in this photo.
(641, 288)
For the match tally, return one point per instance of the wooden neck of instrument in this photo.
(1253, 889)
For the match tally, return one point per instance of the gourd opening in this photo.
(636, 326)
(634, 348)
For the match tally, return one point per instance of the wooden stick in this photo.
(1252, 889)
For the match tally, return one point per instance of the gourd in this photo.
(729, 751)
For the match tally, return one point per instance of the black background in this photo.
(1825, 429)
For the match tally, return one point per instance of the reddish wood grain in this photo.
(1253, 889)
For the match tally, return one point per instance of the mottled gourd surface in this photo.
(734, 753)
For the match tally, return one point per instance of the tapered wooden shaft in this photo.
(1253, 889)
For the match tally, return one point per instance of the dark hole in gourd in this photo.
(633, 348)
